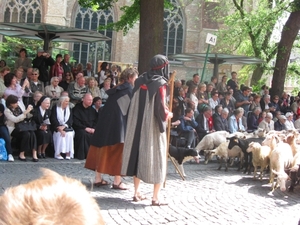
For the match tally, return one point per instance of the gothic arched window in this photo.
(23, 11)
(173, 29)
(91, 20)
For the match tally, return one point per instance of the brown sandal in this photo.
(118, 186)
(101, 183)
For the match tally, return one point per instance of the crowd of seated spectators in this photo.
(63, 103)
(228, 106)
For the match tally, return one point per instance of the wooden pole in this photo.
(171, 88)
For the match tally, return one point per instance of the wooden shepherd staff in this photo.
(171, 87)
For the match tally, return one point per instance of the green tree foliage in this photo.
(248, 29)
(150, 15)
(131, 14)
(9, 49)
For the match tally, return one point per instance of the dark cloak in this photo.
(112, 120)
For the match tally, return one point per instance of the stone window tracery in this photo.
(93, 52)
(173, 29)
(23, 11)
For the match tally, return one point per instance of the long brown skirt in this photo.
(107, 159)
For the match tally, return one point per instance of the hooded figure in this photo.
(144, 154)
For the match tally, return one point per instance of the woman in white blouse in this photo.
(267, 123)
(289, 123)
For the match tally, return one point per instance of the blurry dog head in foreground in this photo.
(49, 200)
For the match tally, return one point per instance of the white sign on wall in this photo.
(211, 39)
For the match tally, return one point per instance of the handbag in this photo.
(25, 125)
(68, 129)
(3, 152)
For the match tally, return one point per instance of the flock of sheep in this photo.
(276, 151)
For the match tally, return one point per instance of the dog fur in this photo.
(182, 155)
(49, 200)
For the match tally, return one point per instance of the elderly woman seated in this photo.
(53, 91)
(93, 87)
(235, 121)
(289, 123)
(267, 123)
(61, 125)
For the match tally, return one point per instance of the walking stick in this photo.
(171, 86)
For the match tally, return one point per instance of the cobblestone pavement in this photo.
(207, 196)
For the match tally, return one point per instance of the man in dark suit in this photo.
(65, 63)
(88, 72)
(220, 121)
(265, 103)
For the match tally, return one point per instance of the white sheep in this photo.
(281, 158)
(260, 157)
(212, 140)
(271, 140)
(224, 154)
(259, 133)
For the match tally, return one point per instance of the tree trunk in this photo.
(257, 74)
(151, 32)
(288, 36)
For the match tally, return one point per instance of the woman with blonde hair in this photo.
(106, 86)
(93, 88)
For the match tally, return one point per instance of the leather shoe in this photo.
(39, 156)
(35, 160)
(43, 155)
(22, 159)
